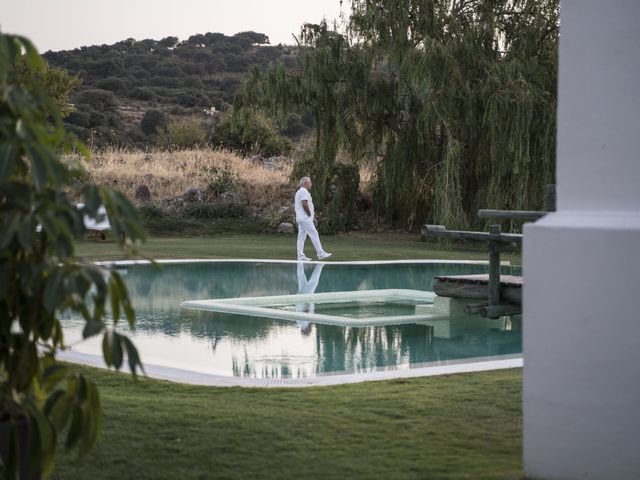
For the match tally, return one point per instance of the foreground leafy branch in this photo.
(41, 402)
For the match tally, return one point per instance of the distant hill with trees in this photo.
(134, 88)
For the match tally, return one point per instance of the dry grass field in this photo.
(168, 175)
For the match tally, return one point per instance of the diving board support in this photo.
(498, 242)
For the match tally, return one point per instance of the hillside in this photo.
(196, 77)
(206, 190)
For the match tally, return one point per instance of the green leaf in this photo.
(61, 411)
(19, 196)
(39, 164)
(33, 57)
(75, 430)
(81, 391)
(11, 461)
(132, 356)
(115, 296)
(4, 58)
(92, 200)
(25, 234)
(93, 420)
(91, 328)
(106, 347)
(53, 374)
(129, 313)
(46, 434)
(9, 229)
(53, 294)
(82, 149)
(8, 160)
(97, 276)
(116, 351)
(63, 246)
(4, 278)
(120, 295)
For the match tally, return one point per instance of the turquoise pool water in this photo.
(250, 346)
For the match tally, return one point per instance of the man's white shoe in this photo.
(304, 258)
(323, 255)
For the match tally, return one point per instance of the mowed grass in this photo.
(465, 426)
(345, 247)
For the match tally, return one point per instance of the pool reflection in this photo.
(237, 345)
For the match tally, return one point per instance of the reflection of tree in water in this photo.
(216, 326)
(152, 290)
(366, 348)
(204, 325)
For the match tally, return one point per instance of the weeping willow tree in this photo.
(453, 100)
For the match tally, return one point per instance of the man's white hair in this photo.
(304, 180)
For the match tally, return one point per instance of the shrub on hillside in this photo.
(215, 210)
(142, 93)
(150, 211)
(275, 146)
(152, 122)
(98, 99)
(221, 179)
(181, 134)
(250, 131)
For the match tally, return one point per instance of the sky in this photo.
(67, 24)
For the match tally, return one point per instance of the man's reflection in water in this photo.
(307, 286)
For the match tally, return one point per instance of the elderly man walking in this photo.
(304, 219)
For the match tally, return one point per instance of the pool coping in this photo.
(271, 260)
(159, 372)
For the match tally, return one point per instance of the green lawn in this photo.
(446, 427)
(465, 426)
(345, 247)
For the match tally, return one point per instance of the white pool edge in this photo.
(189, 377)
(270, 260)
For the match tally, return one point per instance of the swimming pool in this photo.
(261, 347)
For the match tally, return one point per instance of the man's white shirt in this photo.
(301, 215)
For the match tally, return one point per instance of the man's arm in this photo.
(305, 205)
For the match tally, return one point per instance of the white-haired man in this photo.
(304, 219)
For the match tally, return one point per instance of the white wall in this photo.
(582, 263)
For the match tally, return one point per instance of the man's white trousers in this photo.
(306, 227)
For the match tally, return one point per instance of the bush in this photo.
(215, 210)
(186, 133)
(142, 93)
(101, 100)
(81, 118)
(250, 131)
(150, 212)
(152, 121)
(276, 146)
(113, 84)
(221, 179)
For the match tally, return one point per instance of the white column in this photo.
(582, 264)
